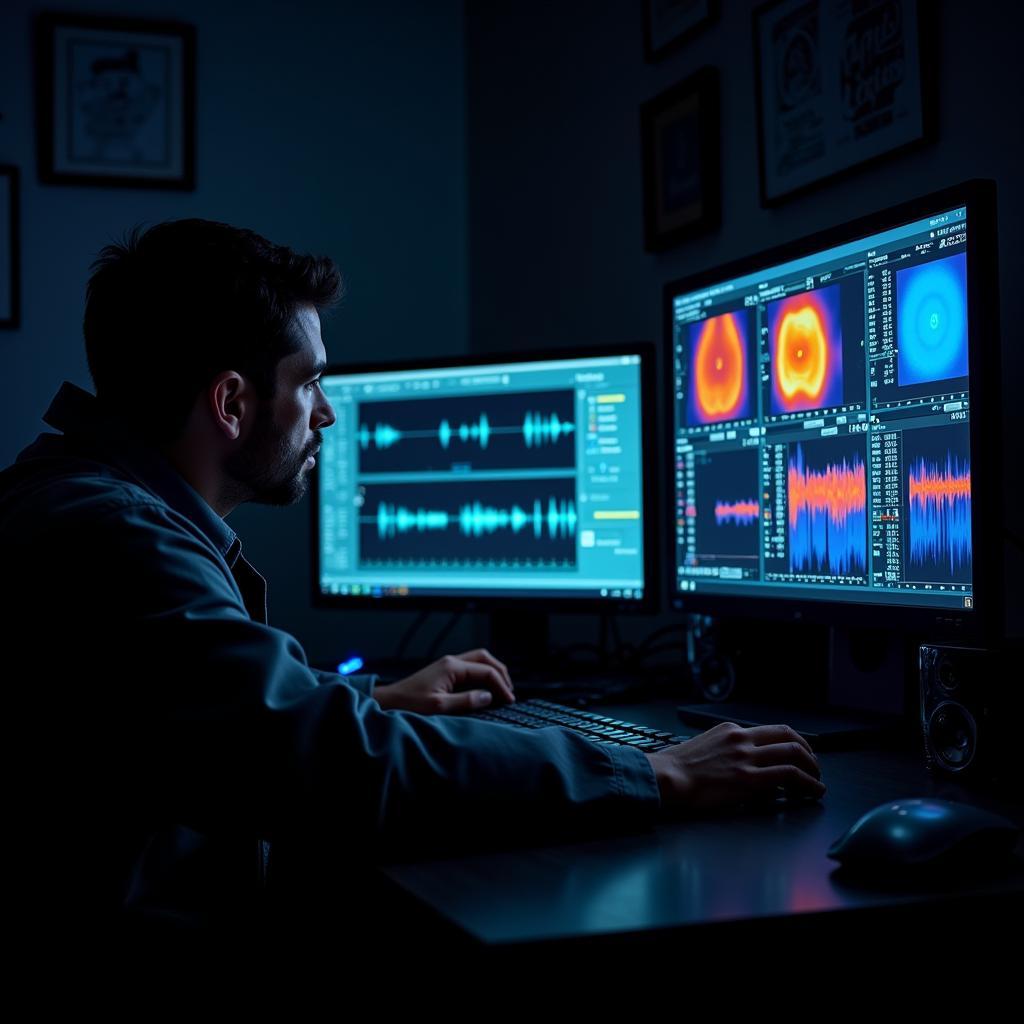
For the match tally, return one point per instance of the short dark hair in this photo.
(169, 308)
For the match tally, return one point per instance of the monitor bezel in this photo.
(648, 604)
(985, 623)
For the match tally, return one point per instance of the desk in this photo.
(740, 874)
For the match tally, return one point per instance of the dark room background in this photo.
(474, 168)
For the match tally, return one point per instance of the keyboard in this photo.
(539, 714)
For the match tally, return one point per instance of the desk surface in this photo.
(742, 865)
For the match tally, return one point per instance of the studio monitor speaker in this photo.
(970, 704)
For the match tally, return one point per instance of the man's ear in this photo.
(231, 403)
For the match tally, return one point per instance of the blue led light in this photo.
(353, 664)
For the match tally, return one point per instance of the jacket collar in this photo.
(81, 418)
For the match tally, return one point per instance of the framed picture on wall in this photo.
(680, 142)
(670, 24)
(116, 101)
(838, 84)
(10, 285)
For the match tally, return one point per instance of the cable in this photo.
(442, 635)
(407, 636)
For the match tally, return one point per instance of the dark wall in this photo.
(555, 189)
(334, 128)
(478, 180)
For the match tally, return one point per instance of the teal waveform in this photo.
(383, 435)
(475, 519)
(537, 429)
(479, 431)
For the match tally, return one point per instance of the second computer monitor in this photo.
(835, 423)
(486, 481)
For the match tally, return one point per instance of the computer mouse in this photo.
(924, 835)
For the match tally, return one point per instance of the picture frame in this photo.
(115, 101)
(815, 125)
(10, 248)
(671, 24)
(680, 142)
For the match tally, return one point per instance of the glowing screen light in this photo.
(931, 305)
(807, 351)
(719, 363)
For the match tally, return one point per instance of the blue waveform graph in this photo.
(479, 432)
(536, 429)
(560, 519)
(938, 468)
(477, 519)
(519, 431)
(469, 523)
(382, 436)
(827, 495)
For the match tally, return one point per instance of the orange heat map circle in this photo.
(801, 356)
(719, 368)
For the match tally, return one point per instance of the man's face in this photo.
(274, 463)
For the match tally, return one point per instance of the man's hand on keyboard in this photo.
(456, 684)
(729, 764)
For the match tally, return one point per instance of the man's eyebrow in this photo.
(318, 367)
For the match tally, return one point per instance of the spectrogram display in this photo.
(806, 351)
(469, 523)
(827, 493)
(931, 310)
(728, 510)
(939, 506)
(720, 362)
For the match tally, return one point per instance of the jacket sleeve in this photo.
(363, 682)
(229, 726)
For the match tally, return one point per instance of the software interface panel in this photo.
(519, 479)
(822, 425)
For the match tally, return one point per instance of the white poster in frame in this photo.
(116, 101)
(839, 83)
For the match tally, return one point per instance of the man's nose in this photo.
(325, 414)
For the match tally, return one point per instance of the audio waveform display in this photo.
(931, 314)
(939, 507)
(737, 513)
(827, 511)
(525, 430)
(720, 368)
(469, 523)
(477, 519)
(726, 486)
(806, 342)
(536, 429)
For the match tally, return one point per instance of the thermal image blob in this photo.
(931, 304)
(719, 367)
(807, 351)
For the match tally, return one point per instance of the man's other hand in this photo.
(456, 684)
(729, 764)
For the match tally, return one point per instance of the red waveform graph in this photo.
(740, 513)
(827, 516)
(807, 351)
(940, 519)
(719, 370)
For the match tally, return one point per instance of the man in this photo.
(173, 733)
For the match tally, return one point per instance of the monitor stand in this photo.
(863, 701)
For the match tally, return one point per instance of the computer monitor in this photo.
(835, 425)
(485, 481)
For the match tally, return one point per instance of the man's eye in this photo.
(312, 384)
